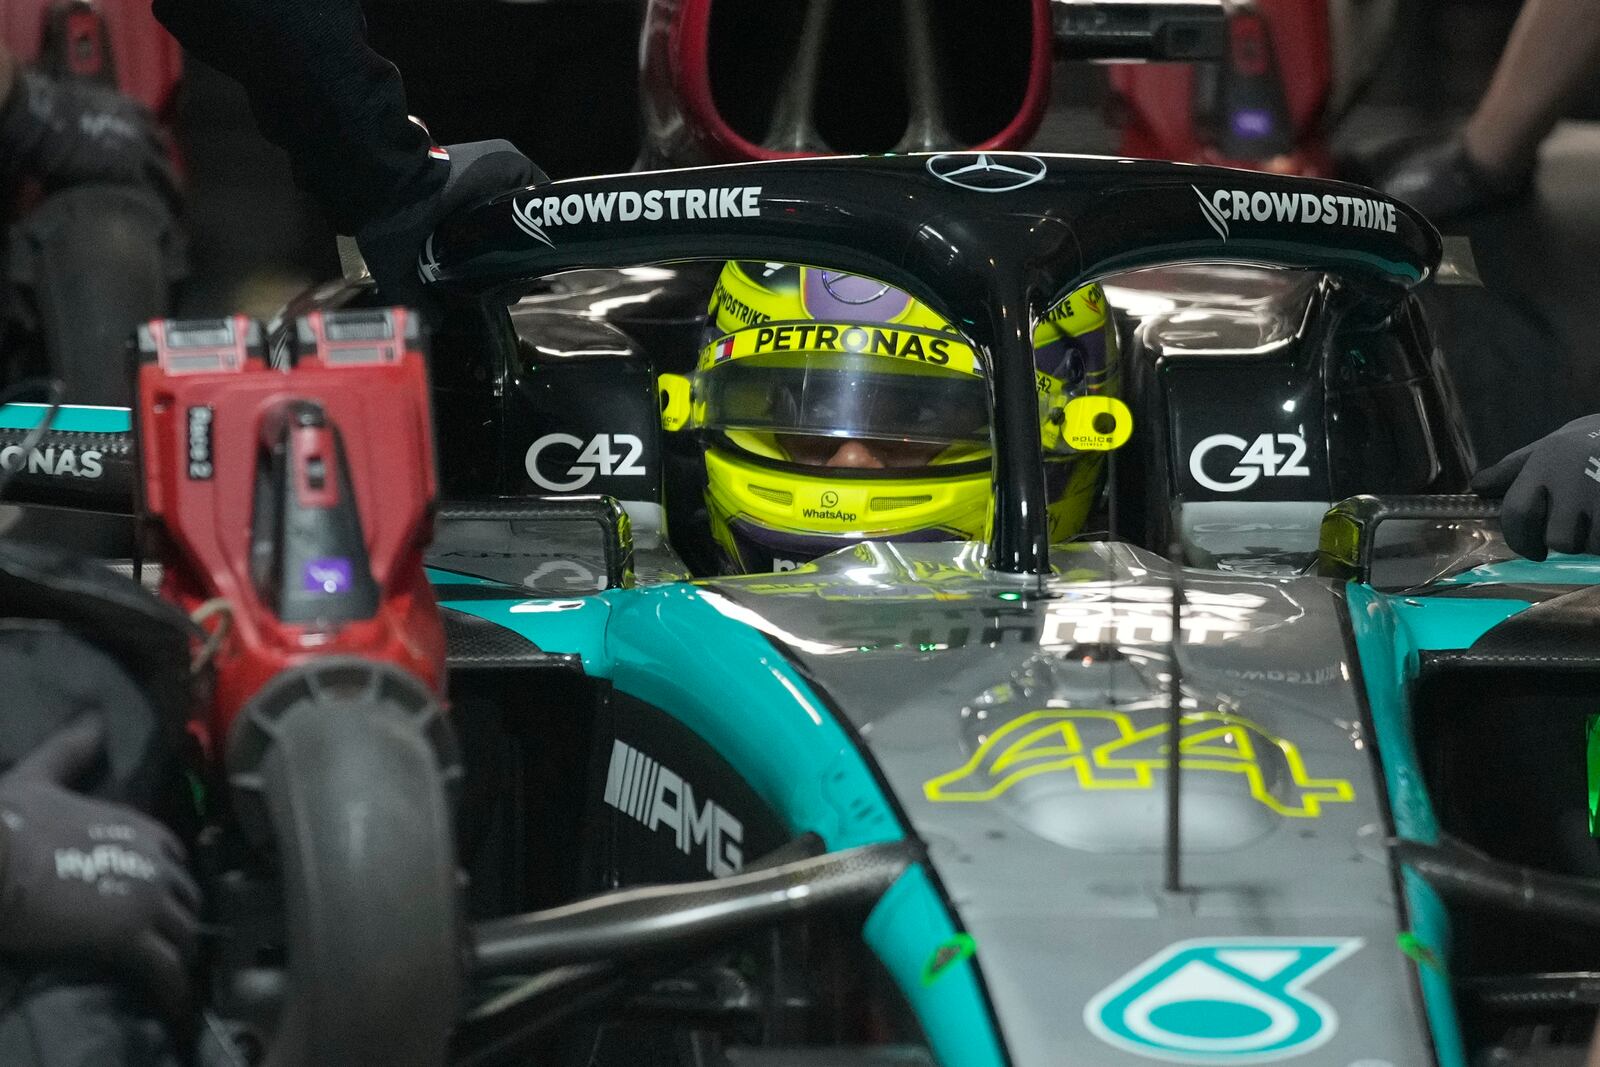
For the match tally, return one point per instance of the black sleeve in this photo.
(322, 94)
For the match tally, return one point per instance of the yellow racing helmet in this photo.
(833, 409)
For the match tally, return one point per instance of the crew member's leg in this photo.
(1553, 45)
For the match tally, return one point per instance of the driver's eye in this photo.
(816, 451)
(906, 453)
(808, 449)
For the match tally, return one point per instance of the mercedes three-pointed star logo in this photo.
(865, 290)
(983, 172)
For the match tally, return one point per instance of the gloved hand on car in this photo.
(393, 244)
(88, 884)
(1550, 491)
(65, 133)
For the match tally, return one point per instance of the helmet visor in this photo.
(845, 395)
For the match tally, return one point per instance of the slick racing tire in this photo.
(343, 770)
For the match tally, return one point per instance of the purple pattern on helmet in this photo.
(1072, 359)
(1055, 358)
(834, 296)
(1093, 347)
(762, 550)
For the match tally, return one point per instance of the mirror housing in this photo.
(1096, 424)
(675, 391)
(1349, 533)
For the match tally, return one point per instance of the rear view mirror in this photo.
(1348, 541)
(674, 390)
(1096, 424)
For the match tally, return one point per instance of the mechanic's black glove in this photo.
(85, 882)
(479, 170)
(1551, 492)
(71, 133)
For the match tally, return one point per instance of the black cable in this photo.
(54, 390)
(1459, 872)
(1111, 495)
(631, 924)
(1173, 880)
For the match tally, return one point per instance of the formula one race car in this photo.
(994, 799)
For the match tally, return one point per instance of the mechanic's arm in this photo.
(1551, 492)
(321, 93)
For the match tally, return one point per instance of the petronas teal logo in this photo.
(1224, 1001)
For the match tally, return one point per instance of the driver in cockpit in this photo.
(832, 409)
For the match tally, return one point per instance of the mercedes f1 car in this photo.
(1244, 779)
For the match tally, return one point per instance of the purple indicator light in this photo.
(328, 575)
(1252, 122)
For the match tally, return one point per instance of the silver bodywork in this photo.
(1023, 731)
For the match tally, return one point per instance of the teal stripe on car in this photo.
(1557, 570)
(1440, 622)
(950, 1003)
(684, 650)
(1390, 631)
(69, 418)
(438, 576)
